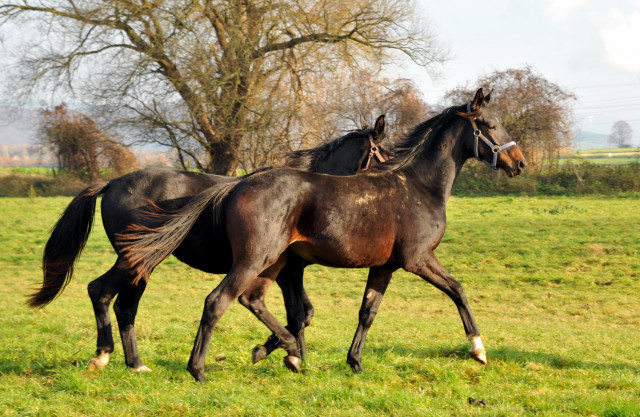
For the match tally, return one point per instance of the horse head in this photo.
(490, 143)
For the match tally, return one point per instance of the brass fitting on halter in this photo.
(374, 151)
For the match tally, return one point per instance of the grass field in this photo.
(613, 156)
(554, 284)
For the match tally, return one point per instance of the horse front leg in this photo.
(377, 283)
(434, 273)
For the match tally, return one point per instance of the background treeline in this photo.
(570, 179)
(574, 178)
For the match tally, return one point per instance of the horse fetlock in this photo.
(302, 347)
(99, 362)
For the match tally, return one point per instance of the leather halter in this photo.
(375, 150)
(494, 148)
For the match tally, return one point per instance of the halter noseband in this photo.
(375, 150)
(494, 148)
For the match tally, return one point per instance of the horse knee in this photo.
(367, 316)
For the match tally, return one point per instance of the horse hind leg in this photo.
(253, 300)
(126, 308)
(101, 291)
(297, 304)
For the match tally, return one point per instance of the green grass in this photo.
(553, 283)
(612, 156)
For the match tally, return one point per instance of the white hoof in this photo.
(141, 369)
(99, 362)
(477, 351)
(479, 355)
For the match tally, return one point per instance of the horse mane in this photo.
(407, 148)
(307, 159)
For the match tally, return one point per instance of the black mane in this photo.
(306, 159)
(407, 148)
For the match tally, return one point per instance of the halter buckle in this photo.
(495, 149)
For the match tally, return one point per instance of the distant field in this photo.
(26, 171)
(554, 284)
(613, 156)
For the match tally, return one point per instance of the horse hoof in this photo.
(197, 374)
(356, 367)
(259, 353)
(140, 369)
(480, 355)
(292, 363)
(99, 362)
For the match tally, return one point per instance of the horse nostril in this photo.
(522, 164)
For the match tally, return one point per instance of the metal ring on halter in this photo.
(495, 149)
(477, 132)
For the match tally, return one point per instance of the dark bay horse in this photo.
(384, 220)
(125, 202)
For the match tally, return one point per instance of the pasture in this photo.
(612, 156)
(554, 284)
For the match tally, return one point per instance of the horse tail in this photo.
(65, 244)
(144, 247)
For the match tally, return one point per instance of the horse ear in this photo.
(487, 98)
(378, 129)
(477, 100)
(363, 123)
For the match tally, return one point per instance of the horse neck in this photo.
(438, 166)
(345, 160)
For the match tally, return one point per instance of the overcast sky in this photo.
(590, 47)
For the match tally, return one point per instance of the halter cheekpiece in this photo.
(374, 150)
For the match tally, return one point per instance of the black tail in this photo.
(144, 248)
(65, 244)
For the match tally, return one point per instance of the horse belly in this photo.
(349, 252)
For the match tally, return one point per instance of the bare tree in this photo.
(202, 75)
(621, 134)
(344, 105)
(535, 112)
(80, 147)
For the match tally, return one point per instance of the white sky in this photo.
(589, 47)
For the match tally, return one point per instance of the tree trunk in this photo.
(222, 158)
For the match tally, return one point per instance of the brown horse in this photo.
(384, 220)
(125, 202)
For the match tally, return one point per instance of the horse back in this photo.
(332, 220)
